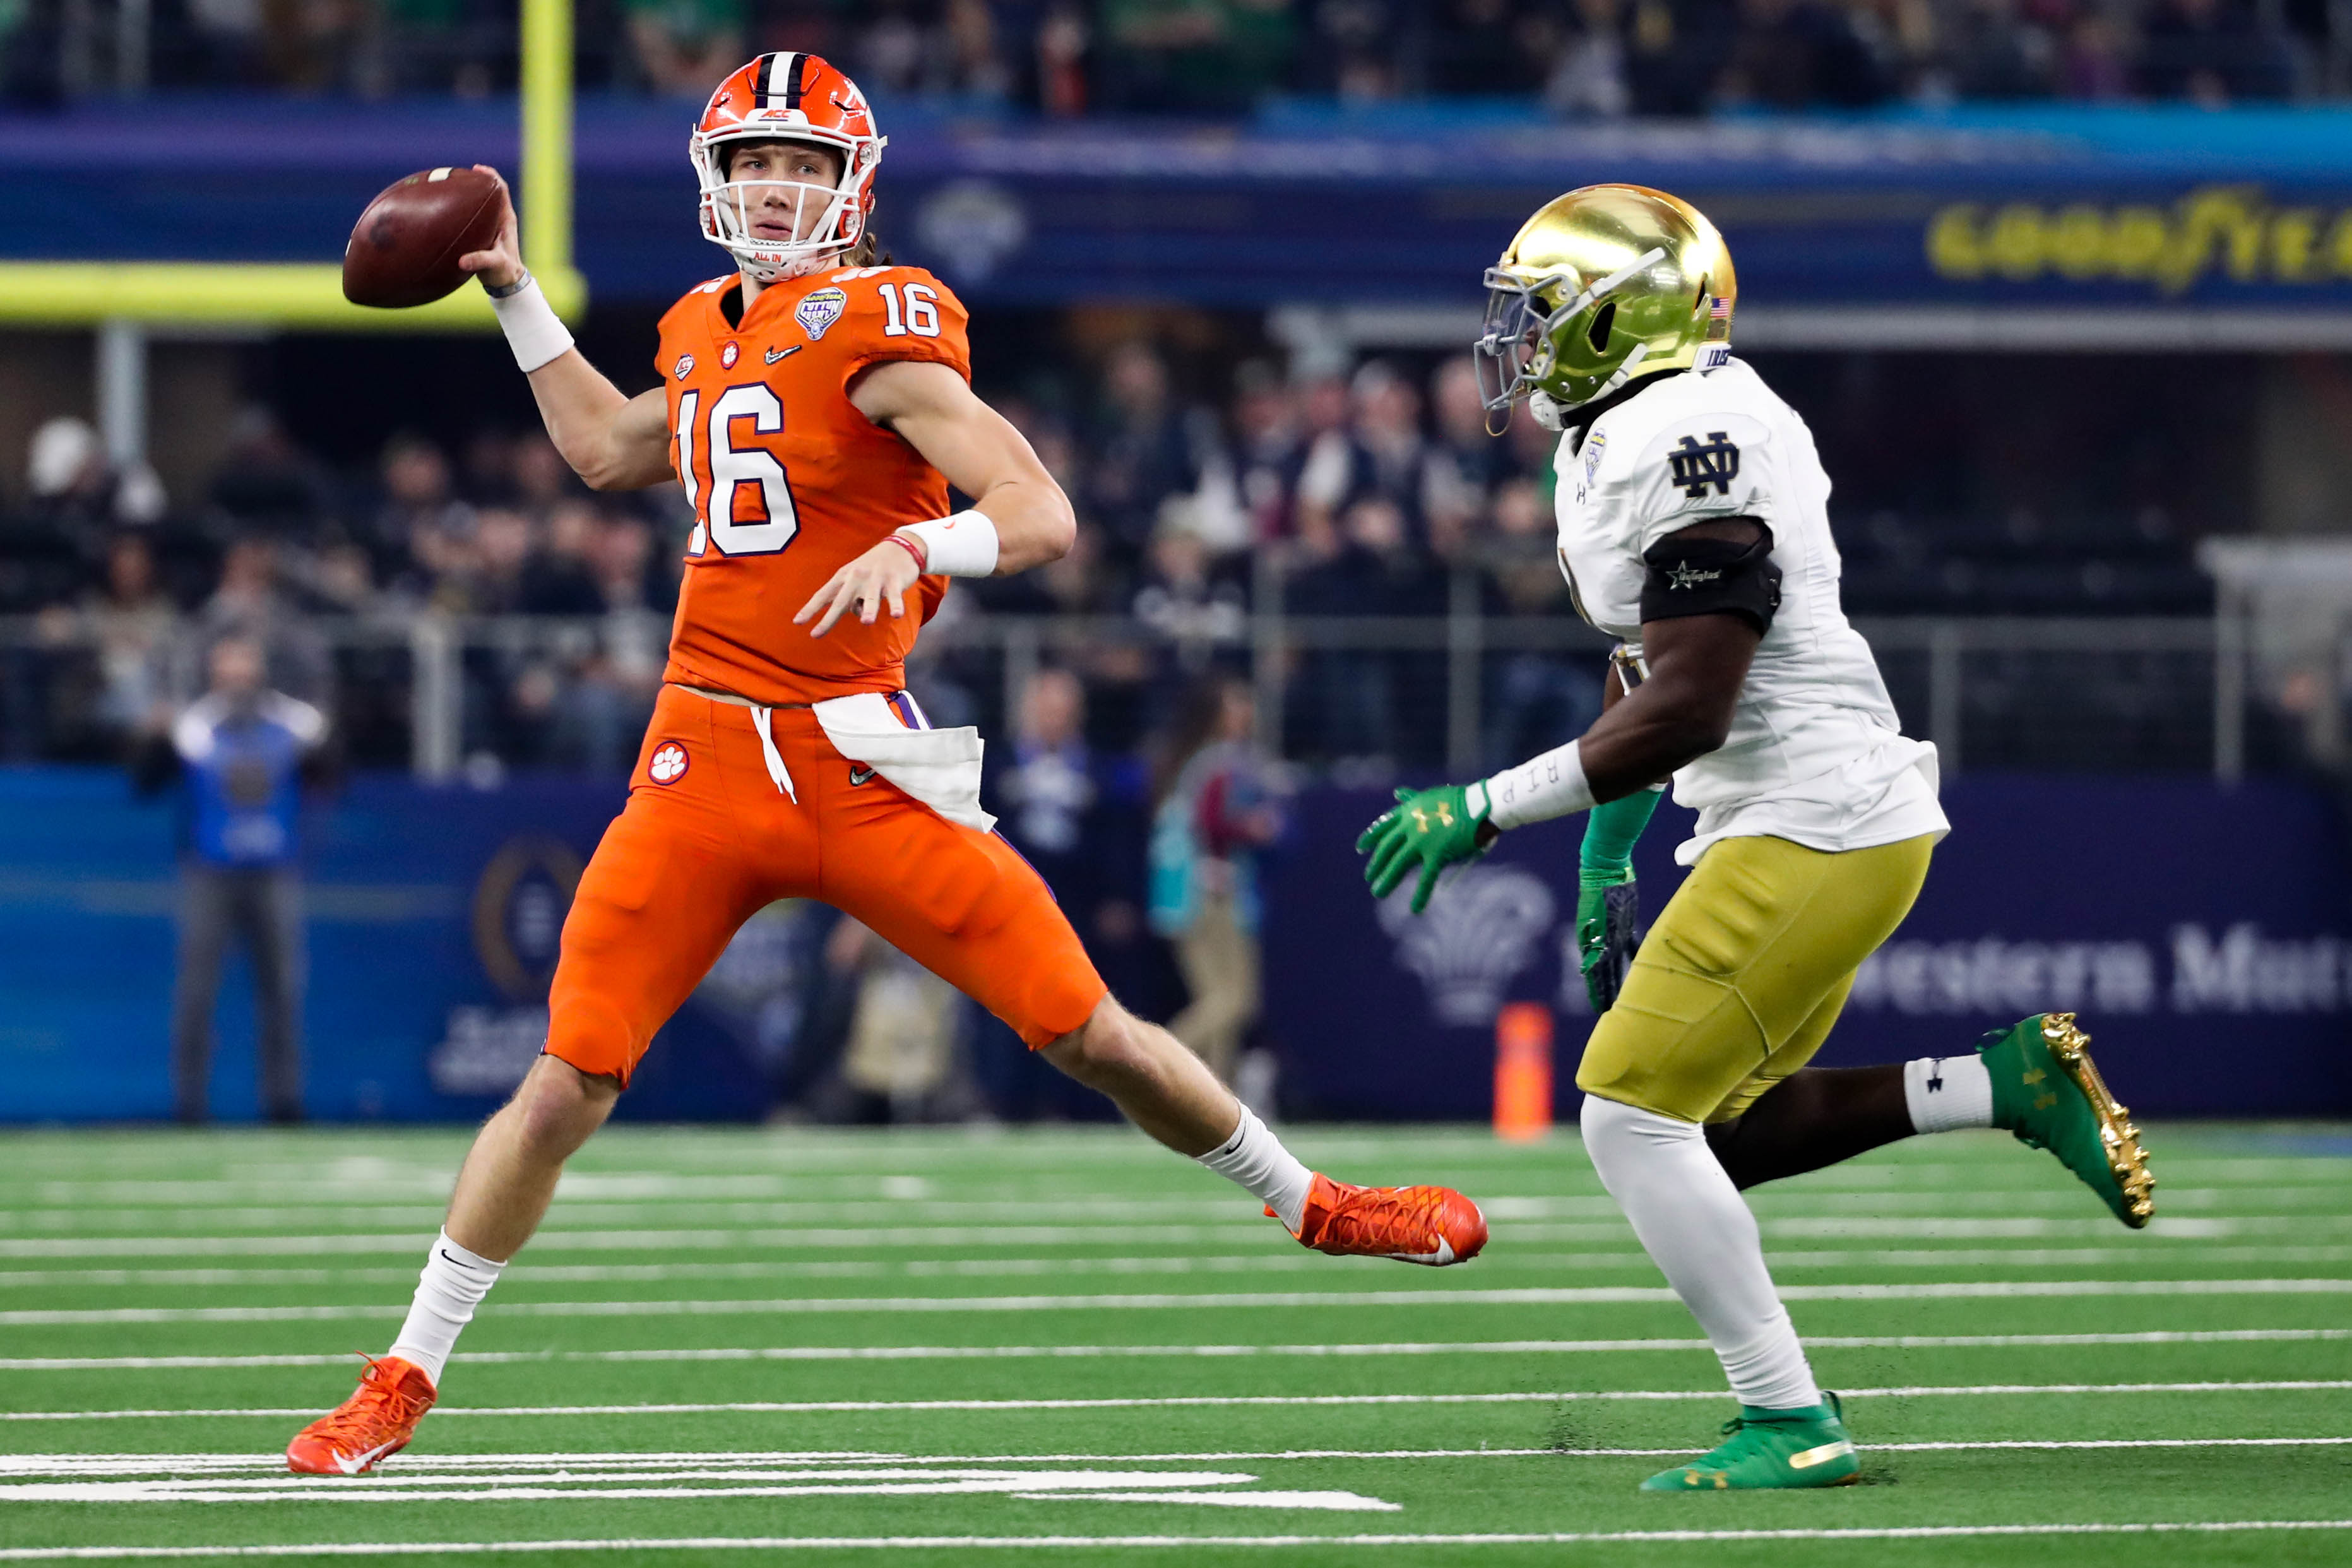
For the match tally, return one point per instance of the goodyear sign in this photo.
(2232, 233)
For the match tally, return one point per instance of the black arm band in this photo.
(1711, 578)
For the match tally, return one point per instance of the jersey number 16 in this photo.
(760, 523)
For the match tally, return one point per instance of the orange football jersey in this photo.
(790, 482)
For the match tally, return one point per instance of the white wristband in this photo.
(1536, 791)
(965, 545)
(532, 328)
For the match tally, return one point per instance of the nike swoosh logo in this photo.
(859, 775)
(773, 355)
(1820, 1456)
(353, 1464)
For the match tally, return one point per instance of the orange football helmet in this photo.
(787, 97)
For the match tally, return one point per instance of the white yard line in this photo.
(2133, 1254)
(413, 1471)
(824, 1406)
(1042, 1233)
(1177, 1542)
(1193, 1301)
(1214, 1351)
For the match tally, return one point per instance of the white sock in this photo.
(1947, 1092)
(1255, 1158)
(453, 1284)
(1696, 1227)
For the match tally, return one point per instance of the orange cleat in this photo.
(1435, 1226)
(374, 1424)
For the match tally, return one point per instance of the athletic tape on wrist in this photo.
(965, 545)
(533, 329)
(1540, 789)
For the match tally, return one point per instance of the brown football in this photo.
(403, 251)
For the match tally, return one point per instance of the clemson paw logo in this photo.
(668, 764)
(727, 357)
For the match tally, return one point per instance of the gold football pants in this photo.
(1737, 985)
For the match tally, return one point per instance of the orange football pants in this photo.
(693, 857)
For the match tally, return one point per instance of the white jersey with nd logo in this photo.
(1816, 754)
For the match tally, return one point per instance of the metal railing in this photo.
(2130, 693)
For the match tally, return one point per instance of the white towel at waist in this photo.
(938, 767)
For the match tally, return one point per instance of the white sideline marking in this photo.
(816, 1406)
(1078, 1352)
(1525, 1295)
(1182, 1542)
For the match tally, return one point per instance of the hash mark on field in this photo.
(1180, 1542)
(1089, 1352)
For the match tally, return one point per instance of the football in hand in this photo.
(404, 249)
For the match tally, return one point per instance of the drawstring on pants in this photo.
(775, 759)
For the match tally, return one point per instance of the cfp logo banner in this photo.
(1482, 929)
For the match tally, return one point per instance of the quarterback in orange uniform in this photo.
(816, 408)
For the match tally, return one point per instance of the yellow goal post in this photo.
(308, 295)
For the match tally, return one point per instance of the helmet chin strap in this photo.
(765, 273)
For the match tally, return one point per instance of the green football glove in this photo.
(1607, 907)
(1606, 937)
(1431, 829)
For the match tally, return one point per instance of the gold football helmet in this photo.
(1601, 287)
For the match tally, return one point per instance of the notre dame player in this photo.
(1693, 524)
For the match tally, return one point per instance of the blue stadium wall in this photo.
(2176, 208)
(2205, 934)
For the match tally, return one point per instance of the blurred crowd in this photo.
(1364, 491)
(1069, 58)
(1360, 500)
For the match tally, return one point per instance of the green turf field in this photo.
(1072, 1348)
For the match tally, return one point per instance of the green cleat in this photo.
(1772, 1450)
(2046, 1091)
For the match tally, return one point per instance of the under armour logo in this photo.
(1696, 467)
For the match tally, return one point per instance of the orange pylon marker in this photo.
(1523, 1071)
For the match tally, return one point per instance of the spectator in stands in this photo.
(1145, 449)
(1216, 807)
(1465, 463)
(1380, 453)
(1362, 50)
(1197, 57)
(1269, 438)
(1483, 46)
(266, 483)
(1590, 72)
(1076, 815)
(250, 604)
(685, 47)
(2210, 52)
(604, 711)
(1802, 54)
(1348, 697)
(131, 623)
(418, 500)
(243, 750)
(1181, 598)
(1989, 50)
(2093, 65)
(77, 492)
(558, 579)
(1533, 697)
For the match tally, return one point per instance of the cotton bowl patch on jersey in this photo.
(685, 366)
(668, 764)
(818, 311)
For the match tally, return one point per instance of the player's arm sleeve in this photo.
(904, 312)
(1701, 466)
